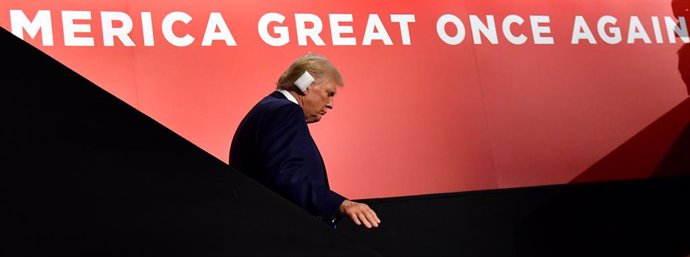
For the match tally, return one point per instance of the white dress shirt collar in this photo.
(288, 96)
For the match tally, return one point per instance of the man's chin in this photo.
(314, 119)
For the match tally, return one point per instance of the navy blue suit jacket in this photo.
(273, 145)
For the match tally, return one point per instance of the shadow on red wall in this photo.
(684, 64)
(682, 8)
(662, 149)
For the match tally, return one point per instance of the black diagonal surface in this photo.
(83, 173)
(615, 218)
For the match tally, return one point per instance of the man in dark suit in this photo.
(273, 145)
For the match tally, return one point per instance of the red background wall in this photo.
(427, 117)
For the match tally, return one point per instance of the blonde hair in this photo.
(318, 66)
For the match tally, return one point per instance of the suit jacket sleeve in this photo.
(295, 167)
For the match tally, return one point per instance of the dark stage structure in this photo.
(83, 173)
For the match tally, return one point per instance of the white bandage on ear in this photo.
(304, 81)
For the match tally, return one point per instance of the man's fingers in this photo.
(360, 214)
(371, 216)
(364, 219)
(354, 218)
(376, 217)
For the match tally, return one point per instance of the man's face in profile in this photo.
(318, 99)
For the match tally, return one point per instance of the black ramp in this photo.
(83, 173)
(616, 218)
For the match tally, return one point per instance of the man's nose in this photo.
(330, 103)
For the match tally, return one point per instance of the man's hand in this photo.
(359, 213)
